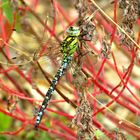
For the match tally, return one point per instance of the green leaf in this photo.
(5, 122)
(8, 11)
(18, 25)
(2, 138)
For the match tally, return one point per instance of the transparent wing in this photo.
(48, 56)
(22, 57)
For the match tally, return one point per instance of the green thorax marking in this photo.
(70, 43)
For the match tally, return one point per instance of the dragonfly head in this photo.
(73, 31)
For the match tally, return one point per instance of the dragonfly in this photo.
(68, 47)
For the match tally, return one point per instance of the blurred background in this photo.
(98, 97)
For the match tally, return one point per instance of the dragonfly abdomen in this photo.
(49, 93)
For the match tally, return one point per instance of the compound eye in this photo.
(73, 31)
(71, 28)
